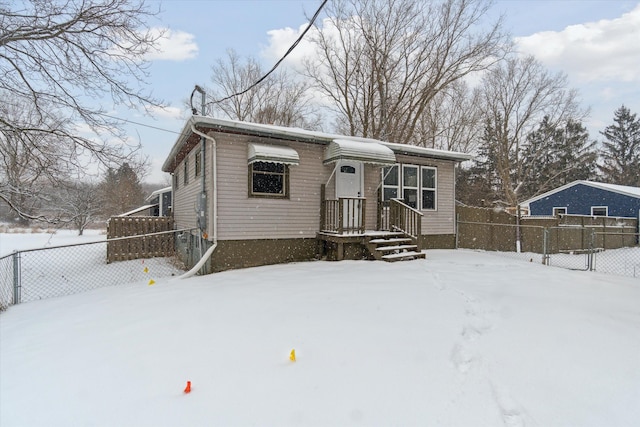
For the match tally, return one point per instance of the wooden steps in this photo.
(394, 247)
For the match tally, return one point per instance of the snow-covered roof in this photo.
(368, 152)
(621, 189)
(272, 153)
(136, 210)
(297, 134)
(157, 192)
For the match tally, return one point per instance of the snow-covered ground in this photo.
(459, 339)
(22, 239)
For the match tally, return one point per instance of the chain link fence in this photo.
(574, 247)
(35, 274)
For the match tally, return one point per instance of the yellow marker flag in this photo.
(292, 356)
(146, 269)
(152, 282)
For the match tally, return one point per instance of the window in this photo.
(559, 211)
(390, 182)
(186, 170)
(198, 165)
(429, 177)
(410, 185)
(268, 179)
(416, 185)
(347, 169)
(599, 211)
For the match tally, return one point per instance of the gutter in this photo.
(207, 255)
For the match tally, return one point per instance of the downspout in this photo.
(215, 180)
(207, 255)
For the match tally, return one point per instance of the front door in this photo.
(349, 185)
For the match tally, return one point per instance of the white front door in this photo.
(349, 184)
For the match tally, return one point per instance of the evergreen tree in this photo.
(620, 153)
(121, 190)
(479, 184)
(556, 155)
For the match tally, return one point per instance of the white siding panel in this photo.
(186, 196)
(442, 220)
(242, 217)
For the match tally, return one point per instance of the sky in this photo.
(460, 339)
(595, 43)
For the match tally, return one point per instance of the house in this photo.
(161, 201)
(158, 204)
(262, 194)
(587, 198)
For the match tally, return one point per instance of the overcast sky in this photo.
(596, 43)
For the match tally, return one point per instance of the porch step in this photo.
(394, 247)
(397, 248)
(392, 240)
(403, 256)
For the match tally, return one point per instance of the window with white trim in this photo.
(416, 185)
(186, 170)
(267, 179)
(559, 211)
(429, 178)
(390, 183)
(198, 165)
(599, 211)
(410, 185)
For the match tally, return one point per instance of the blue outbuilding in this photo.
(587, 198)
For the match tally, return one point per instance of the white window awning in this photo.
(273, 154)
(367, 152)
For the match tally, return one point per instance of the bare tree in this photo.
(516, 96)
(63, 59)
(31, 161)
(452, 120)
(80, 204)
(280, 99)
(383, 62)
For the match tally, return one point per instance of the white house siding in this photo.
(241, 217)
(442, 220)
(372, 176)
(186, 196)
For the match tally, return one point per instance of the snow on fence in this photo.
(35, 274)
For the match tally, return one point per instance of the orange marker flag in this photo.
(188, 387)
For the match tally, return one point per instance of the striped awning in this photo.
(367, 152)
(273, 154)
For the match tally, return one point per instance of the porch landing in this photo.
(371, 244)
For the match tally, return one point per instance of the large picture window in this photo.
(416, 185)
(268, 179)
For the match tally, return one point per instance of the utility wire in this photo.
(293, 46)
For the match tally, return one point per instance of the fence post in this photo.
(592, 250)
(17, 285)
(457, 228)
(545, 246)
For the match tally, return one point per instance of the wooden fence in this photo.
(488, 229)
(139, 237)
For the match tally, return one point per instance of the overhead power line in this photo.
(293, 46)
